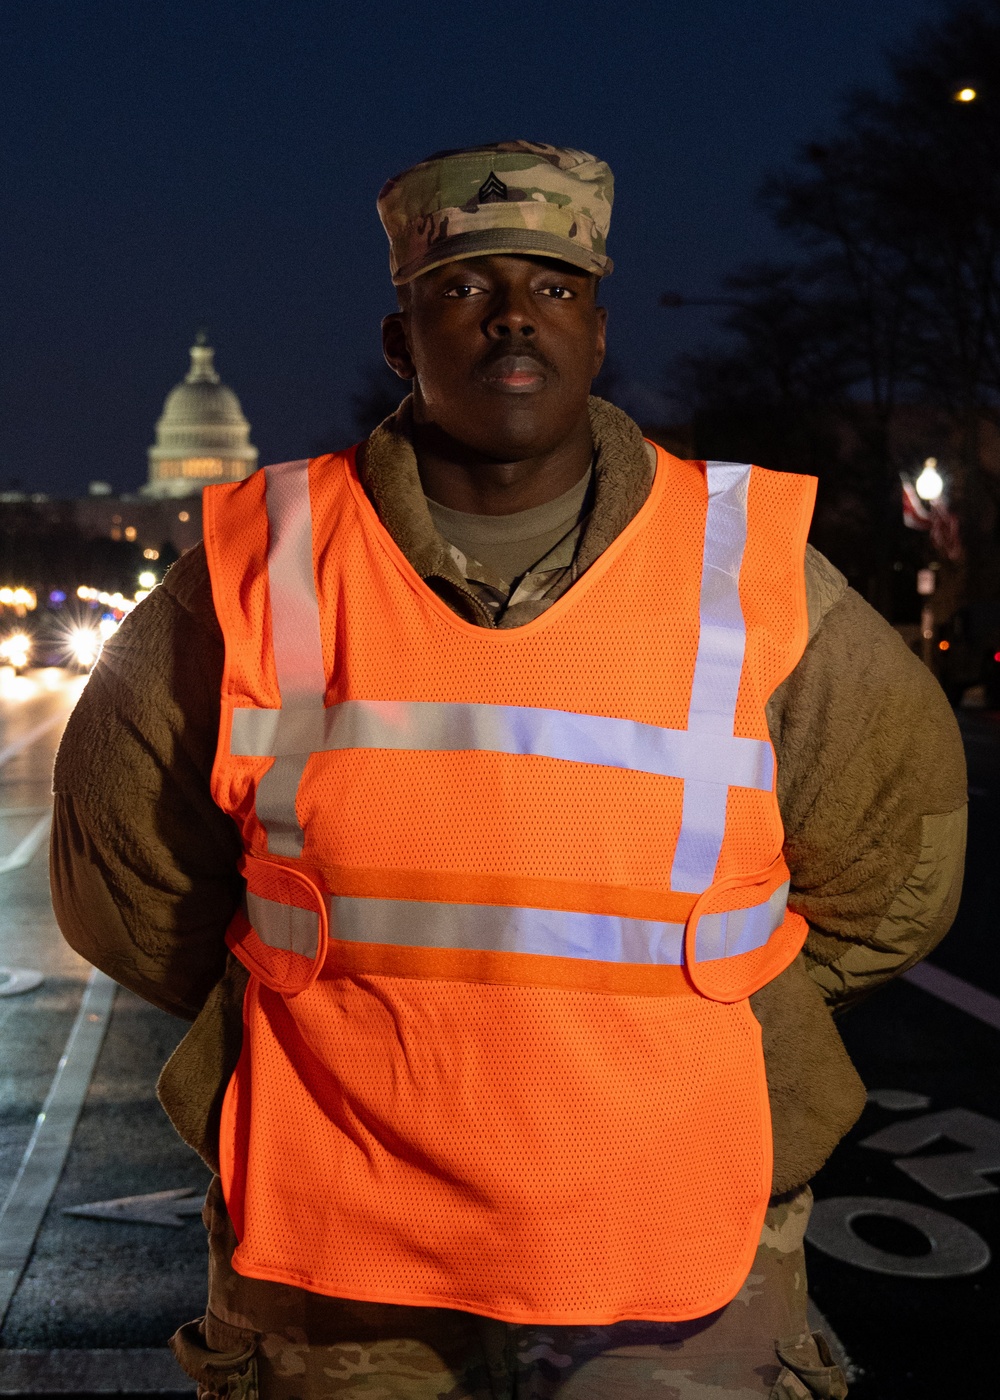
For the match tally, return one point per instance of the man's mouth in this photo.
(515, 374)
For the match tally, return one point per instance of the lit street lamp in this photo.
(929, 486)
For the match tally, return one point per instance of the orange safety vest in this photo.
(508, 892)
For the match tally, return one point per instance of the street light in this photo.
(929, 484)
(964, 94)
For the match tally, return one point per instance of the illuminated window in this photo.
(202, 466)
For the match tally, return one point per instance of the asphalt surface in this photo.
(98, 1297)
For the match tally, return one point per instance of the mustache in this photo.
(526, 350)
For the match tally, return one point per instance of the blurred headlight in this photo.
(16, 650)
(84, 645)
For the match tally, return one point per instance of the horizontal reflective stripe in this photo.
(283, 926)
(550, 932)
(496, 887)
(439, 726)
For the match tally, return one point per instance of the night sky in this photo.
(169, 165)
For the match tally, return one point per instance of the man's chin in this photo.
(521, 431)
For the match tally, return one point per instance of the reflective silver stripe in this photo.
(706, 755)
(298, 651)
(550, 932)
(514, 729)
(717, 671)
(283, 925)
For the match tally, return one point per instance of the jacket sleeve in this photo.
(143, 863)
(873, 793)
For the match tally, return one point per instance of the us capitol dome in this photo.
(202, 436)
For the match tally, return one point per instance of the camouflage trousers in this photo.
(266, 1341)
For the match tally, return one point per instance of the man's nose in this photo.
(511, 312)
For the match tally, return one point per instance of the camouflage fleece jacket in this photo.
(144, 877)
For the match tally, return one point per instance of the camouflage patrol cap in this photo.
(509, 197)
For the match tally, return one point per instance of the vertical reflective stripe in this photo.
(717, 671)
(297, 649)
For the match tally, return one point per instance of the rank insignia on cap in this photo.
(491, 190)
(536, 201)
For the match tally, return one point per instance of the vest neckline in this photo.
(665, 463)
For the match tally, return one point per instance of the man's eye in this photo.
(465, 290)
(560, 293)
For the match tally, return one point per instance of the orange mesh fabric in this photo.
(531, 1155)
(281, 969)
(538, 1139)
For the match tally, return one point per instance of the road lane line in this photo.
(45, 1156)
(956, 992)
(25, 741)
(25, 849)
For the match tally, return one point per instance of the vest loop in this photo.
(729, 953)
(282, 932)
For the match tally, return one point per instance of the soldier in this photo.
(509, 804)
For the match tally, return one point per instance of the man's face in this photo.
(502, 350)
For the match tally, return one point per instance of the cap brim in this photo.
(482, 242)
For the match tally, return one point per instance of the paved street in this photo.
(903, 1251)
(89, 1286)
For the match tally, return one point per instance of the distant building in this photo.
(202, 436)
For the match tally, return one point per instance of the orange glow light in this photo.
(966, 94)
(944, 646)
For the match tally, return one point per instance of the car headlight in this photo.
(16, 650)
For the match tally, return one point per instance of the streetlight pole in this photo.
(929, 486)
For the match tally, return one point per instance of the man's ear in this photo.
(395, 347)
(602, 338)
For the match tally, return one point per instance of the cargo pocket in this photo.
(221, 1375)
(809, 1370)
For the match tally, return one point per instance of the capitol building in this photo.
(202, 436)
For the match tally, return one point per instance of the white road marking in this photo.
(25, 849)
(955, 1249)
(15, 980)
(99, 1372)
(25, 741)
(45, 1156)
(898, 1100)
(951, 1176)
(956, 992)
(155, 1208)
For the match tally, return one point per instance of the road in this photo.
(97, 1299)
(92, 1298)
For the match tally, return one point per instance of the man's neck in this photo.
(461, 479)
